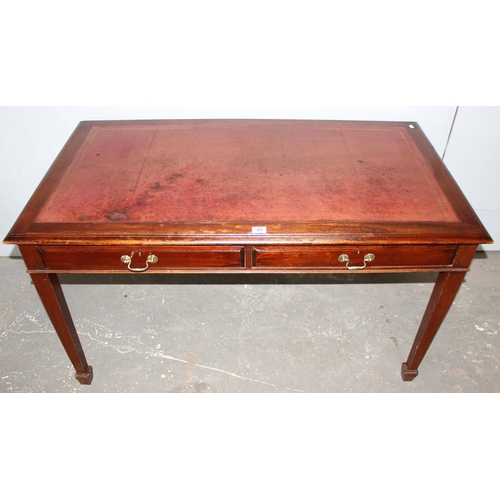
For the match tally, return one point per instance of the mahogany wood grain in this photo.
(96, 258)
(388, 256)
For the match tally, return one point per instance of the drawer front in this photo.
(354, 257)
(140, 259)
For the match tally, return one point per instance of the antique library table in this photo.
(247, 196)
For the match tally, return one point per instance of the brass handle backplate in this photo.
(369, 257)
(127, 259)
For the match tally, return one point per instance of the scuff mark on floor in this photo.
(98, 333)
(22, 323)
(7, 313)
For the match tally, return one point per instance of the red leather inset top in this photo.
(248, 172)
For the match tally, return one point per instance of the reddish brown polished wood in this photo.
(247, 196)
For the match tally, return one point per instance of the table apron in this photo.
(246, 259)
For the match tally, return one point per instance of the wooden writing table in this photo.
(247, 196)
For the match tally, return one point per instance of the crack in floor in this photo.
(86, 326)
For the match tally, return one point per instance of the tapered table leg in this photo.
(445, 290)
(51, 294)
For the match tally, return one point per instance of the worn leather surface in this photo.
(243, 172)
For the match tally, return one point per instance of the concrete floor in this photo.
(321, 334)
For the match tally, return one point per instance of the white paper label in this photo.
(259, 230)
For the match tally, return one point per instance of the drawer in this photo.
(354, 257)
(152, 259)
